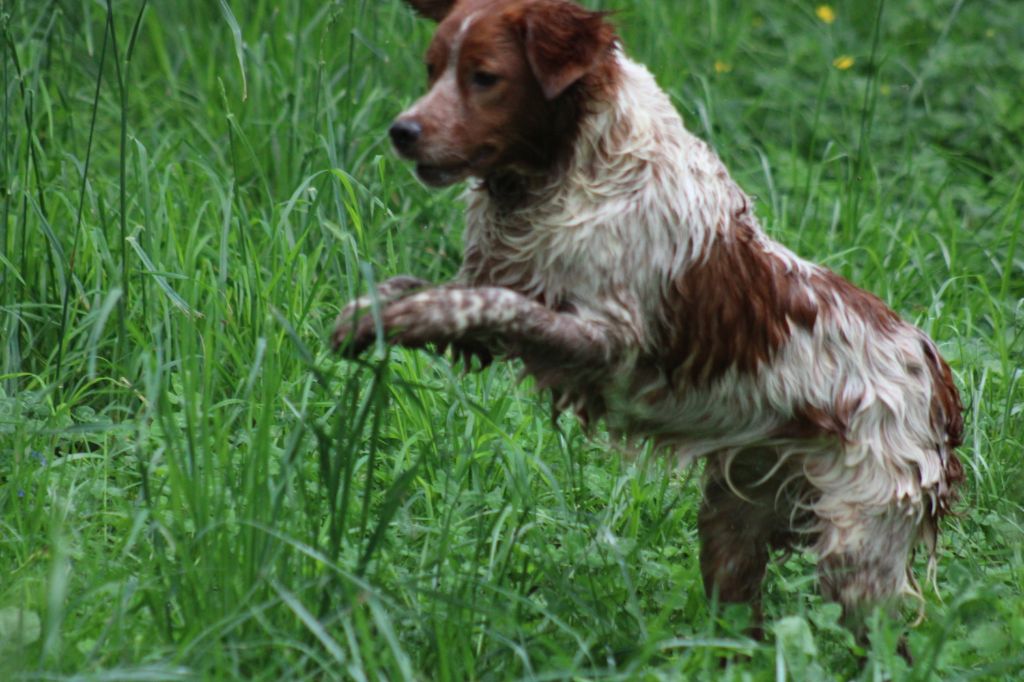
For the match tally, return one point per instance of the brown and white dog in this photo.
(610, 250)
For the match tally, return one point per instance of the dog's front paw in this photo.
(441, 317)
(411, 322)
(354, 329)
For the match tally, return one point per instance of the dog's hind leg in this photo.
(863, 563)
(745, 513)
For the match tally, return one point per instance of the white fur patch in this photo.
(460, 36)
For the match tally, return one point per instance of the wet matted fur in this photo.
(610, 250)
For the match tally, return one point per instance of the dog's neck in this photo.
(633, 173)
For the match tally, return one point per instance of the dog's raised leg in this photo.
(499, 318)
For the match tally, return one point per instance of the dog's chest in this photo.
(568, 254)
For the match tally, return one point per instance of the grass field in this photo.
(192, 487)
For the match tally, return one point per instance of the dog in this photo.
(609, 249)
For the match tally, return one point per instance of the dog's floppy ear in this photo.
(564, 42)
(432, 9)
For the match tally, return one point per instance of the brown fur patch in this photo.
(947, 417)
(865, 305)
(734, 308)
(810, 422)
(564, 42)
(947, 410)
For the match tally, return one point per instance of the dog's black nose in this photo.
(404, 134)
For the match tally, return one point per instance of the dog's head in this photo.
(504, 80)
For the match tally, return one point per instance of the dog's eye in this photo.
(484, 79)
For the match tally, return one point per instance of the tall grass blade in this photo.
(236, 35)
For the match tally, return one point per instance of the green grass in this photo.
(191, 487)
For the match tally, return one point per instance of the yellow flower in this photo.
(825, 13)
(722, 67)
(843, 62)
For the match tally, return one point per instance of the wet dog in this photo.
(609, 249)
